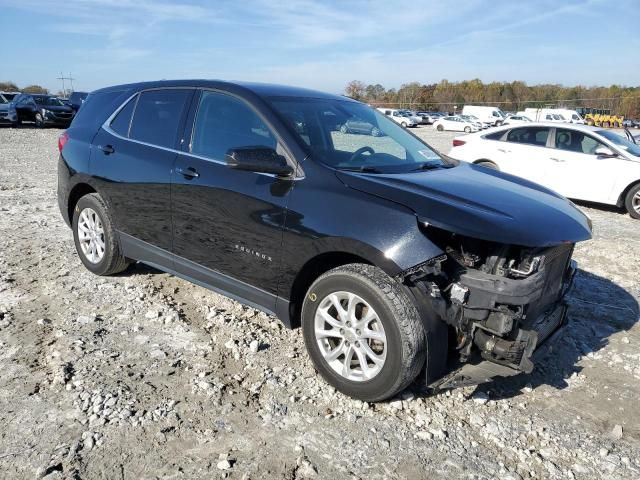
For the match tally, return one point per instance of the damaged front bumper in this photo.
(501, 322)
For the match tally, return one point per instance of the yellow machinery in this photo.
(601, 118)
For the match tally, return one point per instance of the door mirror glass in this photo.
(259, 160)
(604, 152)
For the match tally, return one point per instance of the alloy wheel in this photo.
(350, 336)
(635, 202)
(91, 235)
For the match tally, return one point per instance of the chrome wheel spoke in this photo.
(91, 235)
(350, 336)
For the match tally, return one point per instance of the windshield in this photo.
(378, 146)
(621, 142)
(3, 100)
(48, 101)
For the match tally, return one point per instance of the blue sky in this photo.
(320, 44)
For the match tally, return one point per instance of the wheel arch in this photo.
(77, 192)
(623, 194)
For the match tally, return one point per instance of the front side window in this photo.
(620, 142)
(575, 141)
(224, 122)
(384, 148)
(529, 135)
(157, 116)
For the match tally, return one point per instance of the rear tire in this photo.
(403, 124)
(488, 164)
(632, 202)
(92, 221)
(392, 332)
(467, 129)
(375, 132)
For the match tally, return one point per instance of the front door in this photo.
(576, 171)
(228, 221)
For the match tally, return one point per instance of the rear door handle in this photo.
(107, 149)
(504, 151)
(559, 160)
(189, 172)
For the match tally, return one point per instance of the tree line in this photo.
(12, 87)
(509, 96)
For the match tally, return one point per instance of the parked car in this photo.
(472, 119)
(398, 117)
(383, 251)
(629, 123)
(491, 115)
(427, 117)
(546, 115)
(8, 115)
(577, 161)
(9, 96)
(417, 119)
(454, 123)
(516, 119)
(357, 125)
(76, 99)
(43, 110)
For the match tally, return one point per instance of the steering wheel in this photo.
(360, 151)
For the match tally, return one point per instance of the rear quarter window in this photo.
(97, 107)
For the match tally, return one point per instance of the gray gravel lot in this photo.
(144, 375)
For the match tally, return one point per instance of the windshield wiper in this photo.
(428, 166)
(363, 169)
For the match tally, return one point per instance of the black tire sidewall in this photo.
(39, 120)
(383, 382)
(628, 202)
(89, 201)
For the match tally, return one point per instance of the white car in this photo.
(577, 161)
(473, 119)
(455, 123)
(516, 119)
(398, 117)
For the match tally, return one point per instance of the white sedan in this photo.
(455, 123)
(577, 161)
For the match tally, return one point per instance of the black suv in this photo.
(43, 110)
(76, 99)
(394, 259)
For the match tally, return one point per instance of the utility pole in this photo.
(63, 78)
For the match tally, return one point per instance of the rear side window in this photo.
(224, 122)
(121, 123)
(157, 116)
(98, 107)
(495, 135)
(529, 135)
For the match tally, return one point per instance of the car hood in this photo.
(480, 203)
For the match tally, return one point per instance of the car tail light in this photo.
(458, 143)
(62, 141)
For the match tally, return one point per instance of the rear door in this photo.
(525, 153)
(132, 158)
(228, 221)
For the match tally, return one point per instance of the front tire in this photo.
(95, 237)
(467, 129)
(440, 128)
(403, 124)
(632, 202)
(344, 129)
(363, 332)
(39, 120)
(488, 164)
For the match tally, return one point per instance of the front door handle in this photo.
(107, 149)
(559, 160)
(504, 151)
(188, 172)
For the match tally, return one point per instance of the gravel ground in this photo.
(144, 375)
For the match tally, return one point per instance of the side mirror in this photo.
(604, 152)
(259, 160)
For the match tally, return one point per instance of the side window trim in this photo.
(107, 123)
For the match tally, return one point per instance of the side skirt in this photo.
(161, 259)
